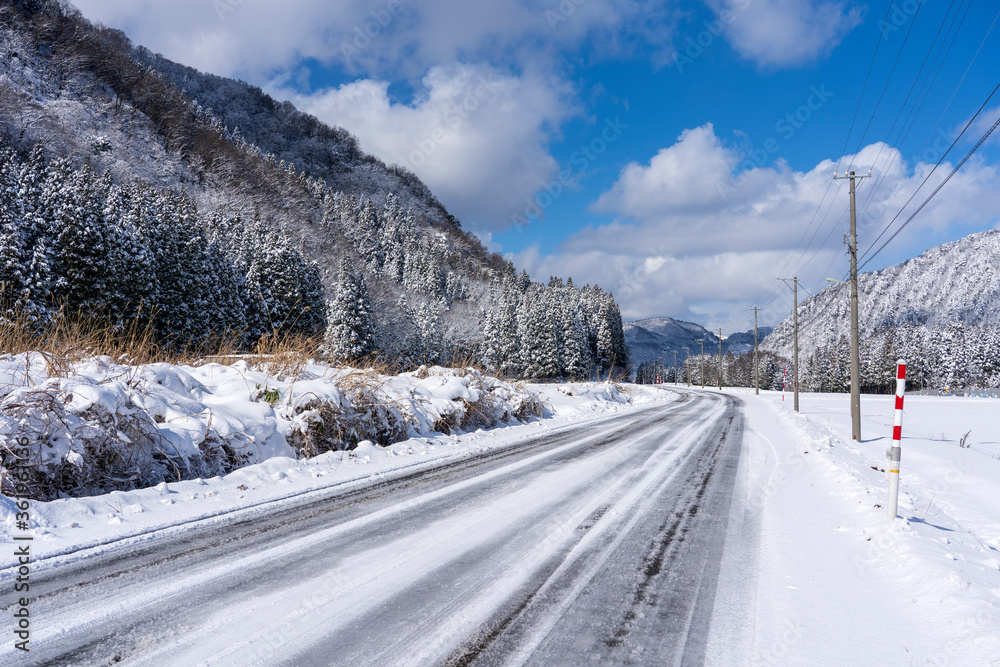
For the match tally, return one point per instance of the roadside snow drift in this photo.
(104, 426)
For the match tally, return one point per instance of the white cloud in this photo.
(253, 39)
(983, 123)
(696, 237)
(470, 130)
(783, 33)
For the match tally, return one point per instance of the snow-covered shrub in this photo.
(87, 439)
(106, 429)
(358, 411)
(451, 399)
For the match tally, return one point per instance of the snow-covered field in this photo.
(834, 580)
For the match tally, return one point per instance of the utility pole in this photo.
(687, 353)
(855, 343)
(675, 368)
(720, 358)
(701, 361)
(795, 335)
(756, 366)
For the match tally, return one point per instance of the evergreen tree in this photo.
(132, 287)
(575, 355)
(501, 342)
(13, 237)
(82, 245)
(40, 196)
(350, 333)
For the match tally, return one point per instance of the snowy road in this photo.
(595, 543)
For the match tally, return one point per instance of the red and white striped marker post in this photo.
(892, 455)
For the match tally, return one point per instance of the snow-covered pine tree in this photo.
(284, 291)
(427, 319)
(537, 331)
(132, 286)
(39, 196)
(81, 245)
(12, 233)
(501, 341)
(350, 332)
(575, 352)
(605, 338)
(225, 308)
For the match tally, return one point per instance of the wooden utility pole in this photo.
(756, 366)
(855, 343)
(720, 358)
(795, 334)
(675, 368)
(701, 361)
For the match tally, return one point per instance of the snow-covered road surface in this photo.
(595, 543)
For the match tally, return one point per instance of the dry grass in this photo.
(64, 339)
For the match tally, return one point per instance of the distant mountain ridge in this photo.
(650, 338)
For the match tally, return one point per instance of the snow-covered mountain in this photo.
(649, 339)
(82, 97)
(940, 311)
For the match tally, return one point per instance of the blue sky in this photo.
(678, 153)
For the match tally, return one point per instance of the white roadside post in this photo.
(892, 454)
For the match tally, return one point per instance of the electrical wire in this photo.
(931, 173)
(936, 190)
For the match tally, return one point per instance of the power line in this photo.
(936, 190)
(965, 74)
(864, 88)
(910, 115)
(931, 173)
(902, 47)
(922, 96)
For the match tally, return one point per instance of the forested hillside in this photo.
(940, 312)
(247, 216)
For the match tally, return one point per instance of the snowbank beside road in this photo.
(837, 582)
(102, 426)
